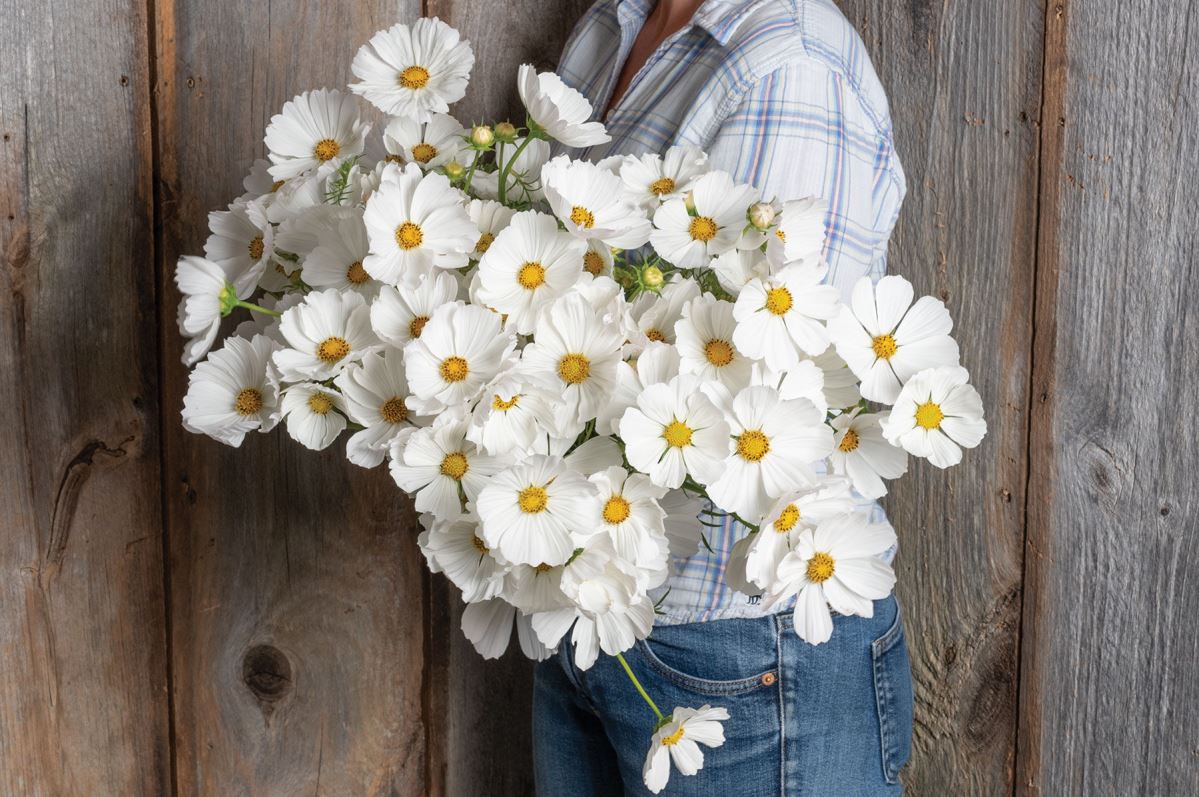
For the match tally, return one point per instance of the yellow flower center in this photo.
(326, 149)
(500, 404)
(655, 334)
(849, 442)
(332, 350)
(617, 510)
(417, 325)
(702, 229)
(582, 217)
(820, 568)
(929, 415)
(257, 247)
(414, 77)
(574, 369)
(480, 546)
(718, 352)
(356, 274)
(787, 519)
(320, 403)
(543, 567)
(533, 499)
(423, 153)
(778, 300)
(677, 434)
(782, 236)
(455, 465)
(393, 158)
(752, 445)
(593, 263)
(484, 243)
(454, 369)
(275, 186)
(248, 401)
(884, 347)
(663, 185)
(409, 235)
(674, 738)
(531, 276)
(394, 410)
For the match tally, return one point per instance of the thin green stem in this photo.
(640, 689)
(507, 167)
(257, 308)
(470, 174)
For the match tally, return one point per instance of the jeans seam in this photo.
(778, 648)
(883, 698)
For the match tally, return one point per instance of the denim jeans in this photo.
(831, 719)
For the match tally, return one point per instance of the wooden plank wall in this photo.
(180, 618)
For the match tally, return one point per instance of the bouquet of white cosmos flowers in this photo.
(571, 367)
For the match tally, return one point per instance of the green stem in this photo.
(507, 167)
(470, 174)
(257, 308)
(640, 689)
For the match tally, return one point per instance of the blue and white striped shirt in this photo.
(781, 94)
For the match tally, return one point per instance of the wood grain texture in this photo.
(295, 577)
(83, 670)
(1109, 698)
(964, 81)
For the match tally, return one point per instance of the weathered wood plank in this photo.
(1109, 699)
(295, 576)
(964, 80)
(83, 668)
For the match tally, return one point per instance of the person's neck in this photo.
(669, 16)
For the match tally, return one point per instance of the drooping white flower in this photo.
(416, 222)
(691, 240)
(399, 315)
(489, 217)
(376, 397)
(800, 233)
(428, 144)
(535, 589)
(314, 414)
(651, 179)
(461, 349)
(534, 512)
(324, 333)
(523, 163)
(507, 417)
(591, 205)
(683, 529)
(679, 740)
(836, 565)
(259, 183)
(885, 339)
(840, 383)
(629, 513)
(782, 315)
(773, 444)
(336, 261)
(802, 509)
(803, 380)
(241, 240)
(936, 415)
(435, 463)
(528, 265)
(208, 291)
(862, 453)
(558, 109)
(704, 337)
(455, 548)
(234, 391)
(413, 70)
(657, 314)
(488, 626)
(315, 128)
(675, 430)
(737, 267)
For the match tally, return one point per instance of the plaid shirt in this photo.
(781, 94)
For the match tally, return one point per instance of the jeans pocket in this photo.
(893, 693)
(723, 657)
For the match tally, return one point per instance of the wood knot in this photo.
(266, 672)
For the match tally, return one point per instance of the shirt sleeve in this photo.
(802, 131)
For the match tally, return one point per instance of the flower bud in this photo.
(454, 170)
(689, 201)
(505, 131)
(482, 136)
(652, 277)
(761, 215)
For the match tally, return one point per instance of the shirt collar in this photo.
(719, 18)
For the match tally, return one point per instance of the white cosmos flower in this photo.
(737, 267)
(399, 315)
(234, 391)
(651, 179)
(800, 232)
(597, 259)
(324, 333)
(461, 349)
(574, 354)
(259, 183)
(773, 443)
(691, 241)
(241, 240)
(416, 222)
(674, 430)
(656, 315)
(803, 380)
(507, 418)
(315, 128)
(535, 589)
(488, 626)
(683, 529)
(489, 217)
(437, 463)
(376, 396)
(782, 315)
(629, 513)
(590, 202)
(704, 337)
(885, 339)
(840, 384)
(314, 414)
(336, 261)
(412, 71)
(678, 741)
(802, 509)
(937, 414)
(207, 288)
(862, 453)
(428, 144)
(836, 565)
(455, 548)
(532, 513)
(524, 175)
(558, 109)
(658, 362)
(528, 265)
